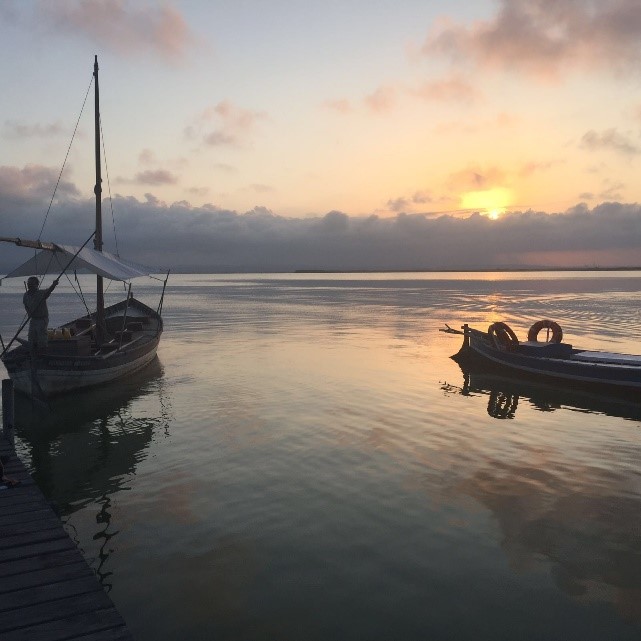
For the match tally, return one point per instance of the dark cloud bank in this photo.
(209, 239)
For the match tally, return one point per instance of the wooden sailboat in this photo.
(99, 347)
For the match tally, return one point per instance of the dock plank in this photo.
(38, 563)
(57, 630)
(47, 590)
(19, 527)
(57, 545)
(31, 538)
(37, 514)
(45, 577)
(50, 592)
(60, 609)
(25, 493)
(113, 634)
(21, 508)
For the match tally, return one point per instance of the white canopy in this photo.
(88, 260)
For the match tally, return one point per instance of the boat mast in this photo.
(97, 241)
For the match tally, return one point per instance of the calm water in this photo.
(305, 462)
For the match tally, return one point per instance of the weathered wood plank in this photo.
(25, 503)
(46, 576)
(32, 515)
(7, 511)
(38, 548)
(44, 593)
(31, 538)
(69, 627)
(20, 494)
(13, 467)
(39, 562)
(59, 609)
(113, 634)
(18, 527)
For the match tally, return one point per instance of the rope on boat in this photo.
(162, 296)
(111, 205)
(44, 222)
(124, 319)
(451, 330)
(79, 293)
(46, 270)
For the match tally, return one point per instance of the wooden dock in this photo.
(47, 590)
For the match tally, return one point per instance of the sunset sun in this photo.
(490, 202)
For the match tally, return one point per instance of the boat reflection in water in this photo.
(504, 395)
(84, 450)
(568, 492)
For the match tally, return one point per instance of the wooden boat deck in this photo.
(47, 590)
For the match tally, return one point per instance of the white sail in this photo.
(87, 261)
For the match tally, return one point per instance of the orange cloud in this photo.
(501, 121)
(610, 139)
(232, 125)
(259, 188)
(32, 182)
(381, 100)
(612, 192)
(404, 204)
(449, 89)
(19, 130)
(157, 177)
(544, 38)
(474, 178)
(342, 106)
(532, 167)
(146, 157)
(122, 26)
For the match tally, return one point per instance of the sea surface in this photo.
(305, 461)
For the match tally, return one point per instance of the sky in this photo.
(351, 134)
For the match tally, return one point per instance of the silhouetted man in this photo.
(35, 302)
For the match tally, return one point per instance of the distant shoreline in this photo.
(474, 270)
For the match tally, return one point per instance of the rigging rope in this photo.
(81, 294)
(46, 270)
(44, 222)
(111, 205)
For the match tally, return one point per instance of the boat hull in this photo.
(79, 362)
(573, 367)
(54, 381)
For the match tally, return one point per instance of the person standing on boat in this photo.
(35, 303)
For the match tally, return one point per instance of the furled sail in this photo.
(87, 261)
